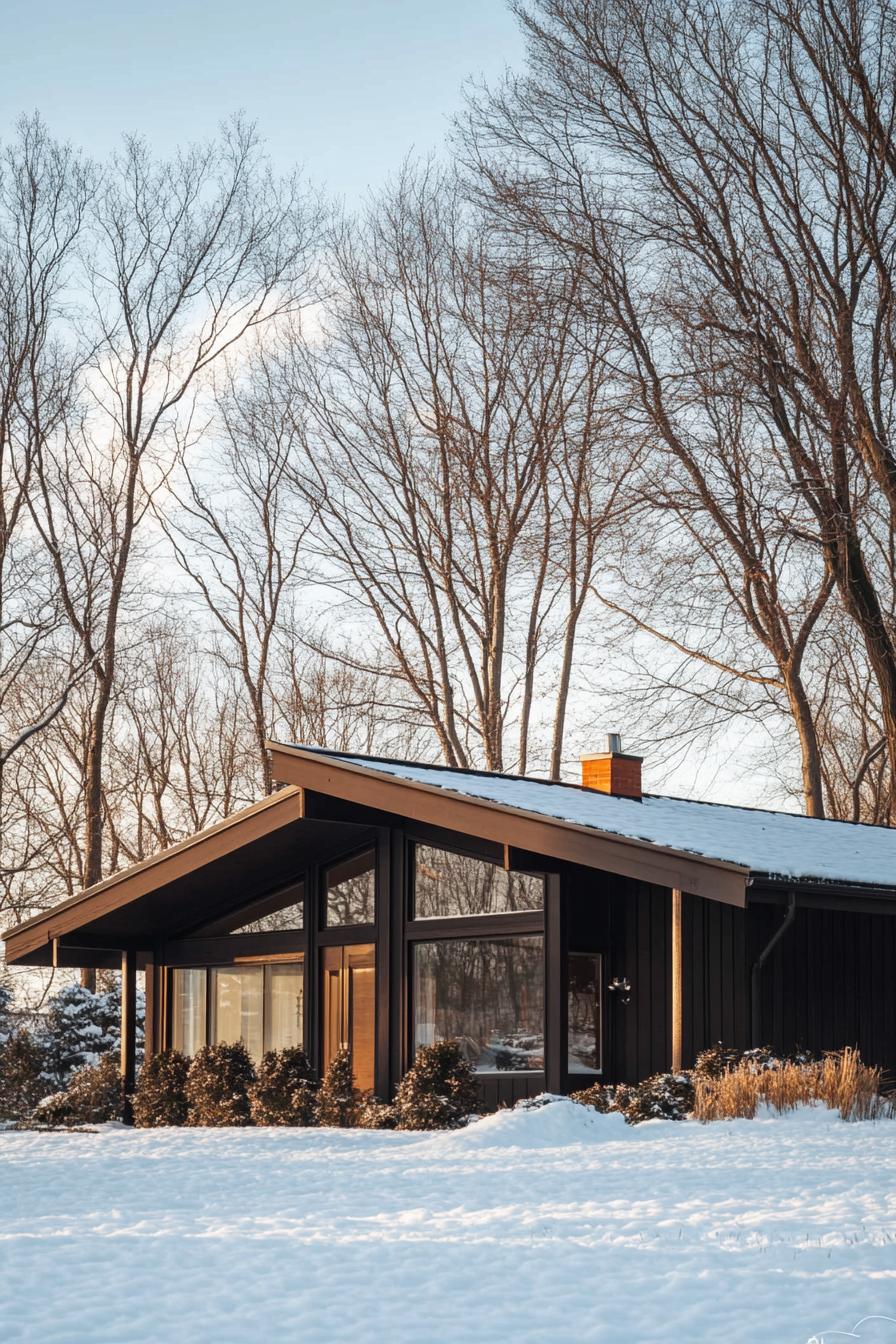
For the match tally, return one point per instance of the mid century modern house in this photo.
(559, 931)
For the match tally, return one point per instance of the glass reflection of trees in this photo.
(448, 885)
(351, 890)
(488, 993)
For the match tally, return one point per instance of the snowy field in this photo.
(546, 1226)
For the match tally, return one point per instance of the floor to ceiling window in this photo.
(482, 988)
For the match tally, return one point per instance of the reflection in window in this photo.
(279, 920)
(237, 1008)
(188, 1017)
(448, 885)
(351, 890)
(584, 1013)
(488, 993)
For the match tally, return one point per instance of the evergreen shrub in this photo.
(218, 1083)
(376, 1114)
(337, 1098)
(22, 1080)
(438, 1091)
(94, 1096)
(284, 1092)
(160, 1097)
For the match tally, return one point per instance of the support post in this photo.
(128, 1026)
(676, 981)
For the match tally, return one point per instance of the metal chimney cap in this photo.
(614, 742)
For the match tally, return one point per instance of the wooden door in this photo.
(349, 1007)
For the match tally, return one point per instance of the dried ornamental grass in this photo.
(840, 1080)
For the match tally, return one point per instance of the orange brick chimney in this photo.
(612, 771)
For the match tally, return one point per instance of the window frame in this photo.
(248, 962)
(347, 933)
(479, 927)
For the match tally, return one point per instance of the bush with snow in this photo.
(438, 1091)
(23, 1080)
(160, 1097)
(376, 1114)
(94, 1096)
(337, 1098)
(218, 1084)
(284, 1092)
(81, 1026)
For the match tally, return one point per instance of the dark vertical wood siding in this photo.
(641, 930)
(715, 975)
(830, 982)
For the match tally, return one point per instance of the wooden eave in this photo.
(436, 805)
(215, 842)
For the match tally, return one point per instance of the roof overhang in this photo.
(236, 860)
(440, 805)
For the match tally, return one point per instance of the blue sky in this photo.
(345, 88)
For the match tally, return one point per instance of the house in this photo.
(561, 932)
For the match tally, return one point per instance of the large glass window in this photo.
(487, 993)
(282, 918)
(281, 912)
(284, 1006)
(351, 890)
(188, 1011)
(262, 1006)
(238, 1007)
(584, 1031)
(447, 886)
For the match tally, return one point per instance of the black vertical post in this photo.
(555, 984)
(383, 915)
(128, 1027)
(397, 997)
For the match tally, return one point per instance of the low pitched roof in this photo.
(773, 845)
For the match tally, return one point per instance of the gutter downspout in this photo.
(756, 973)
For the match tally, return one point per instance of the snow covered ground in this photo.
(548, 1225)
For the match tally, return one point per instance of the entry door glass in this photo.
(585, 1029)
(349, 1003)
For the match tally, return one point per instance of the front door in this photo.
(349, 1004)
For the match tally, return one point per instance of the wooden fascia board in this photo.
(489, 820)
(242, 828)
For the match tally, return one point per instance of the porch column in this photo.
(128, 1025)
(676, 981)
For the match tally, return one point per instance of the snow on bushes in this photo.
(22, 1081)
(665, 1096)
(160, 1097)
(94, 1096)
(376, 1114)
(438, 1091)
(80, 1027)
(337, 1099)
(284, 1092)
(218, 1084)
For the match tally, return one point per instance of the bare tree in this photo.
(45, 189)
(238, 533)
(182, 260)
(461, 469)
(738, 161)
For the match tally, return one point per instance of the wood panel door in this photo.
(349, 1007)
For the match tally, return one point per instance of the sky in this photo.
(346, 88)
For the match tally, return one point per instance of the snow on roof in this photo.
(773, 844)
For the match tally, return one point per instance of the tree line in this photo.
(591, 415)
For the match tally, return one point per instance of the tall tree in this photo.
(182, 260)
(462, 469)
(739, 159)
